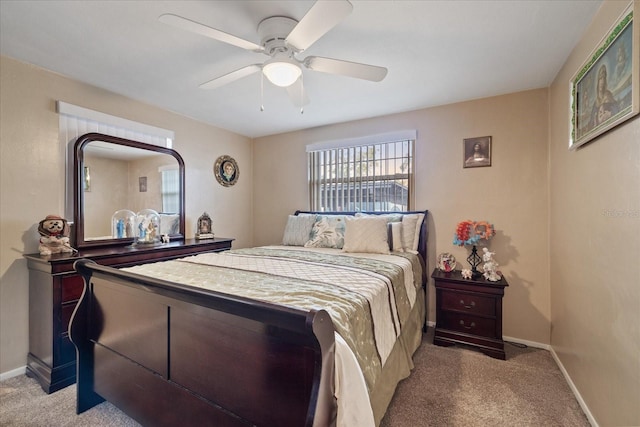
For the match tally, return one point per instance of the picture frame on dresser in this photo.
(604, 91)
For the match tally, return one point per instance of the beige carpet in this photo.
(449, 386)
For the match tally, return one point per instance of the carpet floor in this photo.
(450, 386)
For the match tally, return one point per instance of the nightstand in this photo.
(469, 312)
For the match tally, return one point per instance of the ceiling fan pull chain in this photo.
(261, 91)
(301, 94)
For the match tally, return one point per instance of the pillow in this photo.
(411, 231)
(391, 217)
(298, 229)
(327, 232)
(395, 236)
(366, 234)
(169, 223)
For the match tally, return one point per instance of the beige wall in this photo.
(567, 221)
(512, 193)
(595, 250)
(32, 178)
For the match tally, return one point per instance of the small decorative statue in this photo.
(54, 232)
(466, 273)
(490, 266)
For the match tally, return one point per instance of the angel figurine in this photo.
(490, 266)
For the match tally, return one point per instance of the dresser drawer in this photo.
(72, 287)
(470, 303)
(461, 322)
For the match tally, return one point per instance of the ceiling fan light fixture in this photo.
(282, 72)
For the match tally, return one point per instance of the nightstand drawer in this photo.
(469, 324)
(468, 303)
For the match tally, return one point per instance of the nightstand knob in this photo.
(473, 325)
(473, 304)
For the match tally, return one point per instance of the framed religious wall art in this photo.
(476, 152)
(226, 171)
(604, 91)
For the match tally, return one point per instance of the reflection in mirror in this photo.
(124, 175)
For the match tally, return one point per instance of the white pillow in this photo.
(298, 229)
(395, 237)
(390, 217)
(366, 234)
(411, 231)
(169, 223)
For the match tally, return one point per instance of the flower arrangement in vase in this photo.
(470, 233)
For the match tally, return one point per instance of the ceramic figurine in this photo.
(490, 266)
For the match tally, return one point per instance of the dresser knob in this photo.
(473, 325)
(473, 304)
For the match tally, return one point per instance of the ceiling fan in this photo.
(283, 39)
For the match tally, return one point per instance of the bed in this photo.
(317, 331)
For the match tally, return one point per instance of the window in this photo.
(170, 191)
(372, 176)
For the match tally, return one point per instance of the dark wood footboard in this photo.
(168, 354)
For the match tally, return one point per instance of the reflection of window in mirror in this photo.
(170, 190)
(87, 179)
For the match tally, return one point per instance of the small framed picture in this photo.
(142, 184)
(477, 152)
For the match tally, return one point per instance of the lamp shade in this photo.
(281, 72)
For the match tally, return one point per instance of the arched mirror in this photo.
(112, 175)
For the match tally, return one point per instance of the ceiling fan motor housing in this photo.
(273, 31)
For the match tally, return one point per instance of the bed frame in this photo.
(168, 354)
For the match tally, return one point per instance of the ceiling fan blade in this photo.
(231, 77)
(196, 27)
(297, 94)
(322, 17)
(345, 68)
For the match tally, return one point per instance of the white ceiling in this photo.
(437, 52)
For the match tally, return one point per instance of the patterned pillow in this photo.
(298, 229)
(327, 232)
(366, 234)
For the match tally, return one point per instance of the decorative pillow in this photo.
(395, 236)
(366, 234)
(391, 217)
(327, 232)
(298, 229)
(411, 231)
(169, 223)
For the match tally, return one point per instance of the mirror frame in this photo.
(78, 190)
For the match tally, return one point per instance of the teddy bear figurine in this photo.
(54, 232)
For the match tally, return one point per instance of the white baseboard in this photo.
(527, 343)
(574, 389)
(13, 373)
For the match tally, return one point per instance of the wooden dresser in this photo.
(55, 287)
(469, 312)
